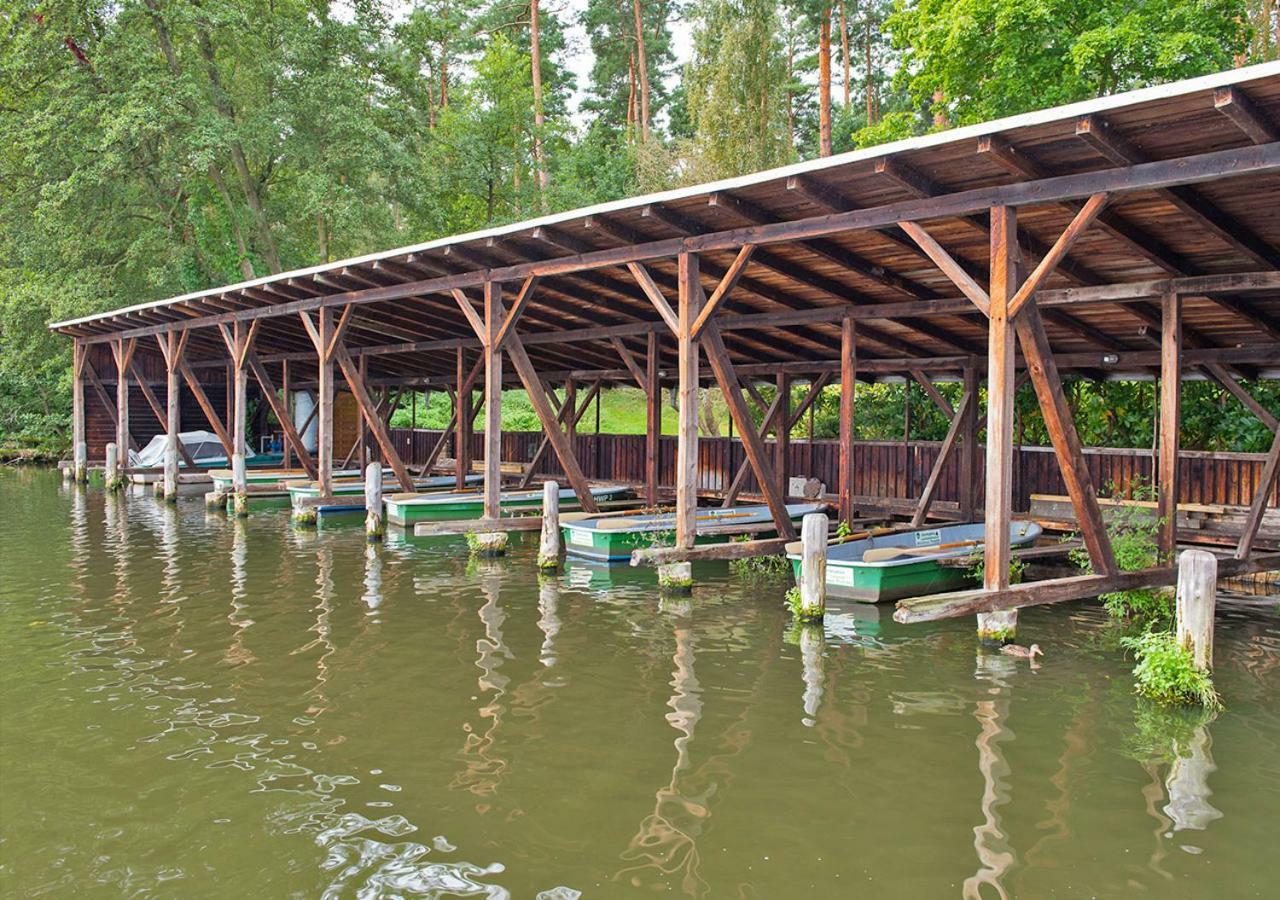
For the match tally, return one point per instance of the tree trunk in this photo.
(535, 51)
(844, 52)
(642, 68)
(939, 111)
(824, 83)
(873, 112)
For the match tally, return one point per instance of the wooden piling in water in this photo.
(813, 567)
(239, 486)
(115, 481)
(82, 463)
(549, 545)
(1197, 598)
(374, 526)
(171, 469)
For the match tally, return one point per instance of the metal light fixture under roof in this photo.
(1110, 358)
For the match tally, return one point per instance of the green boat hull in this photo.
(616, 546)
(872, 584)
(411, 513)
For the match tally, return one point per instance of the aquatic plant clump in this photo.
(1166, 672)
(799, 611)
(759, 568)
(1133, 531)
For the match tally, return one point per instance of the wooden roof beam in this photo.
(1235, 104)
(1094, 131)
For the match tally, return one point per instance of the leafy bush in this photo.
(1166, 672)
(759, 568)
(1133, 531)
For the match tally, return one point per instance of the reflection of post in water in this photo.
(667, 839)
(482, 771)
(812, 644)
(548, 618)
(995, 856)
(321, 628)
(1188, 783)
(372, 595)
(237, 653)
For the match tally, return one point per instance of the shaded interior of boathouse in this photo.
(1131, 236)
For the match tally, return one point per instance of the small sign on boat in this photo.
(933, 536)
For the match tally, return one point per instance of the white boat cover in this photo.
(204, 447)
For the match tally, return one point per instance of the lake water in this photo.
(194, 706)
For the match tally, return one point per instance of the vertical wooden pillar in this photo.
(287, 397)
(782, 435)
(173, 412)
(362, 434)
(122, 352)
(462, 424)
(493, 316)
(653, 422)
(1000, 379)
(239, 428)
(79, 457)
(969, 447)
(690, 302)
(324, 418)
(848, 382)
(571, 403)
(1170, 415)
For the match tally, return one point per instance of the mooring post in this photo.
(373, 527)
(171, 470)
(1197, 597)
(549, 546)
(82, 463)
(239, 487)
(114, 481)
(813, 567)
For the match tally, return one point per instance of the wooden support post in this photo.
(944, 453)
(1196, 601)
(653, 421)
(462, 423)
(1000, 375)
(372, 416)
(848, 384)
(782, 436)
(80, 451)
(123, 350)
(239, 428)
(1170, 420)
(210, 414)
(292, 439)
(571, 403)
(813, 568)
(718, 358)
(114, 481)
(493, 312)
(969, 445)
(1270, 471)
(1062, 434)
(373, 523)
(690, 303)
(324, 419)
(287, 417)
(559, 440)
(549, 543)
(239, 487)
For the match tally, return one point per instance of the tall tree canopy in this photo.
(153, 147)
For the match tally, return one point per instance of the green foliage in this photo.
(759, 568)
(1133, 530)
(1165, 672)
(1017, 570)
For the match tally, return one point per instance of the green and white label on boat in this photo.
(580, 536)
(928, 537)
(840, 575)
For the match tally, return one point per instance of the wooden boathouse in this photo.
(1133, 235)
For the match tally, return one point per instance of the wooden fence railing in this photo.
(883, 468)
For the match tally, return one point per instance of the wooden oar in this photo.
(798, 546)
(884, 554)
(628, 524)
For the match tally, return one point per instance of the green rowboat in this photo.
(914, 575)
(612, 539)
(348, 496)
(408, 509)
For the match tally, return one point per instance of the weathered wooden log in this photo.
(549, 545)
(239, 487)
(171, 469)
(115, 481)
(1197, 598)
(374, 527)
(660, 556)
(1057, 590)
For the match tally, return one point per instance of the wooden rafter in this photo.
(1083, 219)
